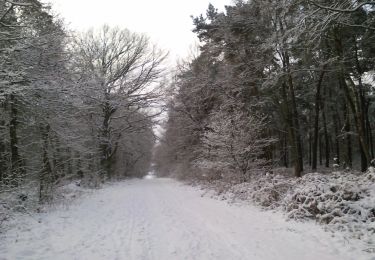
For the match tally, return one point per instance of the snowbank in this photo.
(23, 201)
(343, 201)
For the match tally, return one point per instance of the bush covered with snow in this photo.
(19, 200)
(345, 201)
(342, 200)
(24, 200)
(265, 190)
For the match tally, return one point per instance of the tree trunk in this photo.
(45, 178)
(326, 139)
(349, 156)
(326, 135)
(298, 143)
(337, 126)
(16, 162)
(355, 100)
(106, 145)
(105, 142)
(320, 150)
(310, 149)
(359, 119)
(285, 151)
(363, 108)
(370, 136)
(316, 121)
(2, 158)
(291, 131)
(295, 131)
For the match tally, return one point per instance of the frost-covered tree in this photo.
(234, 145)
(56, 116)
(121, 73)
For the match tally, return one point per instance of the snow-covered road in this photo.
(163, 219)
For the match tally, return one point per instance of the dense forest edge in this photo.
(277, 108)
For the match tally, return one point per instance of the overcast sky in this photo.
(167, 22)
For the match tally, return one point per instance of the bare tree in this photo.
(234, 143)
(122, 73)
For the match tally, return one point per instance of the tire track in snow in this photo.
(162, 219)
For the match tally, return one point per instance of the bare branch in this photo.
(18, 3)
(340, 10)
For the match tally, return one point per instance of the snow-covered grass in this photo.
(342, 201)
(23, 201)
(16, 202)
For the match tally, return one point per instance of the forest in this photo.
(276, 84)
(275, 108)
(283, 85)
(72, 105)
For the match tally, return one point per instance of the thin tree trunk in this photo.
(362, 107)
(355, 101)
(294, 122)
(326, 139)
(45, 178)
(320, 150)
(105, 146)
(16, 162)
(298, 142)
(310, 149)
(3, 161)
(325, 128)
(349, 159)
(291, 131)
(286, 151)
(316, 120)
(336, 125)
(370, 136)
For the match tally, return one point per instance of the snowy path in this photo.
(162, 219)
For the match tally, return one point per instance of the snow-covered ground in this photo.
(163, 219)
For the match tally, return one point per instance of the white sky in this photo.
(167, 22)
